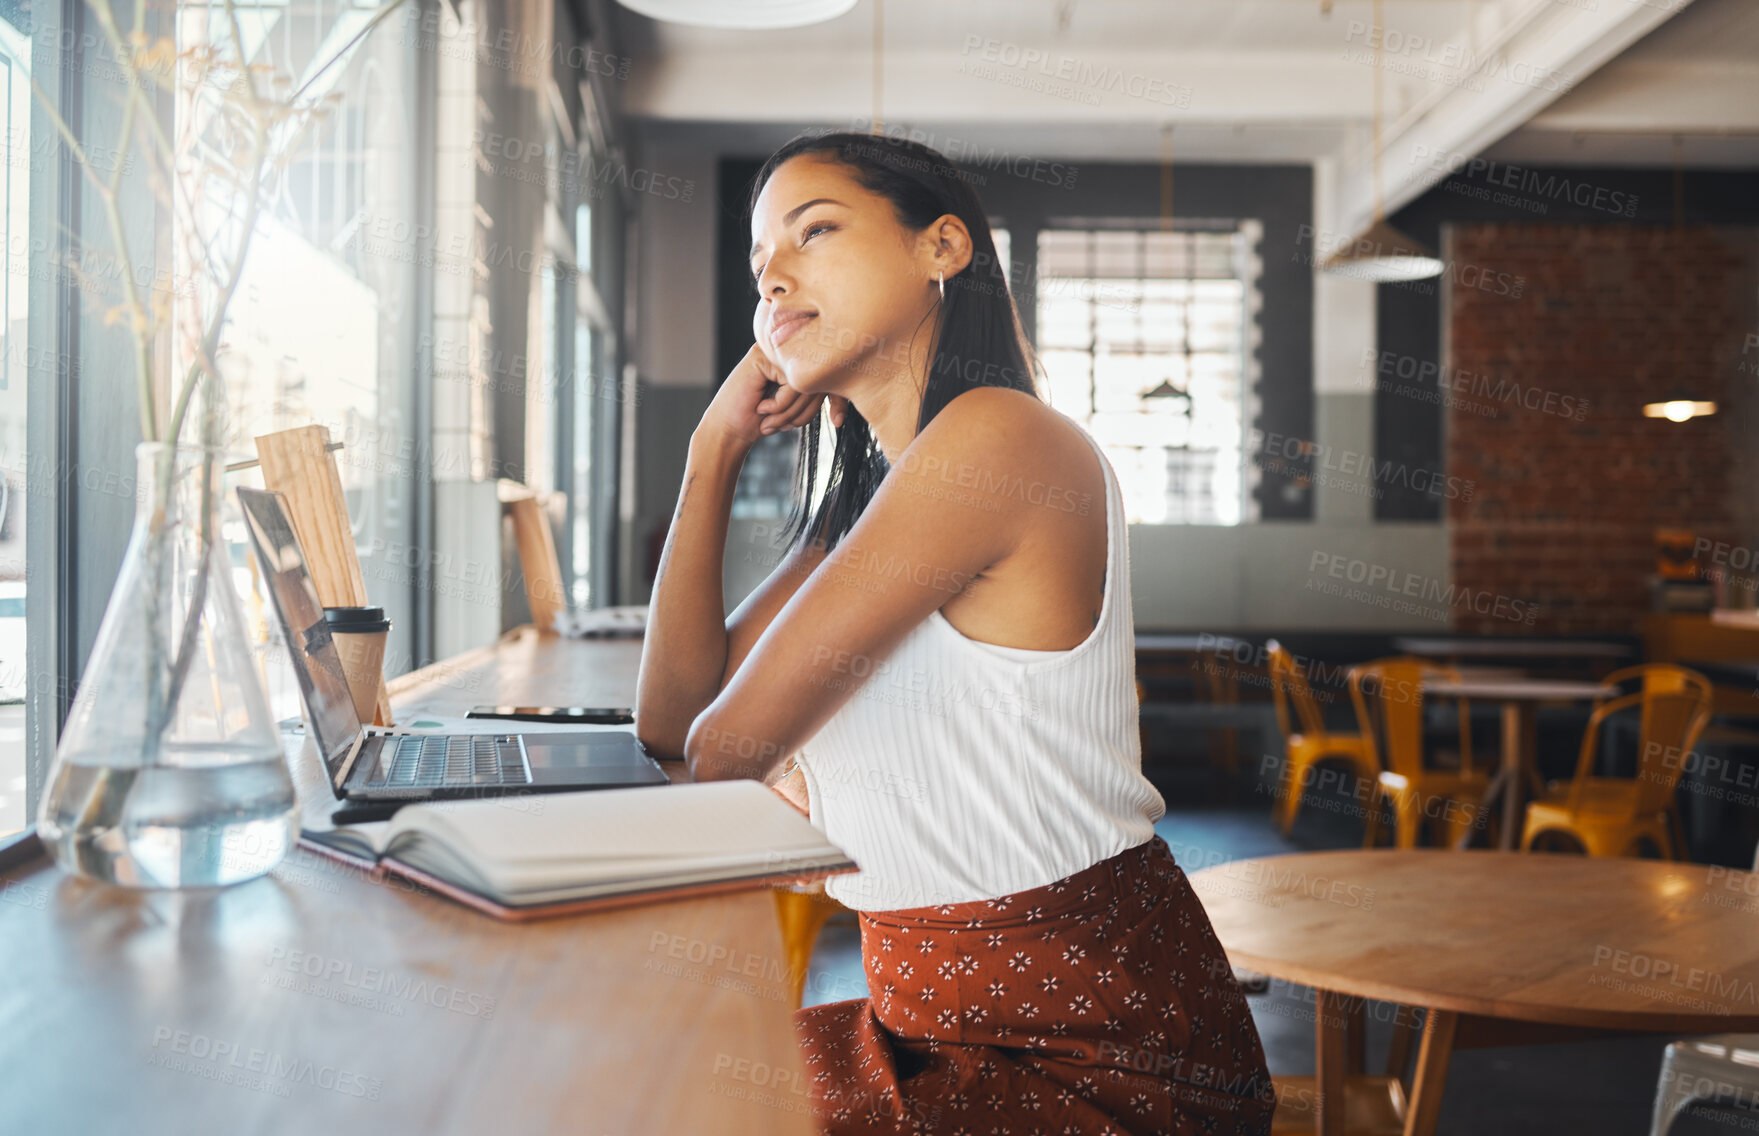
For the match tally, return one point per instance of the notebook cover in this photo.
(391, 866)
(601, 902)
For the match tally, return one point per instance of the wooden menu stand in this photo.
(298, 464)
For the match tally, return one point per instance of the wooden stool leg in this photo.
(1398, 1053)
(1331, 1026)
(1432, 1072)
(1511, 774)
(1355, 1035)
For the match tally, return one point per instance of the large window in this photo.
(594, 409)
(21, 248)
(363, 307)
(1147, 338)
(319, 330)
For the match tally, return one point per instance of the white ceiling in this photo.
(1239, 81)
(1091, 25)
(1696, 76)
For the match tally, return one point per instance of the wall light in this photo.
(1678, 409)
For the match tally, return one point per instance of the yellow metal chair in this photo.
(1306, 741)
(803, 910)
(1658, 678)
(1388, 697)
(1612, 816)
(802, 913)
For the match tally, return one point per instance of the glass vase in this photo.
(170, 771)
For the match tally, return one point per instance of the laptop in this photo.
(376, 771)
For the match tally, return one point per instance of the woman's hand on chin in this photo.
(746, 409)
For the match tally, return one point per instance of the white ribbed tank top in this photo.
(963, 770)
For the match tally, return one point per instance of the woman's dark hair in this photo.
(980, 342)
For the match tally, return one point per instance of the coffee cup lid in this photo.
(357, 619)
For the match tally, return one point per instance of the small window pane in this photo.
(1130, 322)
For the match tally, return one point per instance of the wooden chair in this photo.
(1388, 697)
(1612, 816)
(299, 465)
(545, 590)
(1306, 741)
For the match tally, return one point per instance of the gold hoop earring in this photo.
(943, 283)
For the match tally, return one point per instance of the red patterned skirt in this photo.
(1098, 1004)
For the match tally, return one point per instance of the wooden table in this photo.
(1222, 674)
(1520, 698)
(1154, 642)
(1511, 647)
(336, 1005)
(1499, 948)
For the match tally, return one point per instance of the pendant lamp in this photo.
(1380, 252)
(1166, 388)
(1681, 403)
(747, 15)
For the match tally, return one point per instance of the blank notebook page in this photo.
(615, 832)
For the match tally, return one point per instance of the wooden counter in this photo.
(313, 999)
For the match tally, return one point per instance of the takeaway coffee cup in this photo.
(359, 634)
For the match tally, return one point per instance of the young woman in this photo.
(947, 654)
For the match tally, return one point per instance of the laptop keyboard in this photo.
(420, 762)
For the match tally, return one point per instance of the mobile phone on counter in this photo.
(591, 715)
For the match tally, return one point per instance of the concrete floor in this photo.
(1604, 1087)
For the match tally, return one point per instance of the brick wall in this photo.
(1566, 333)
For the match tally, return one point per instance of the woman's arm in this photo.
(686, 647)
(915, 546)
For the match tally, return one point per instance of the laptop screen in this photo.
(329, 708)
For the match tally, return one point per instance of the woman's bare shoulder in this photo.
(1031, 437)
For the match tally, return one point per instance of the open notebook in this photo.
(558, 853)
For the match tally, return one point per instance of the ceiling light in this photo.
(748, 15)
(1680, 405)
(1381, 253)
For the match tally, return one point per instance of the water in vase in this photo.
(169, 771)
(186, 823)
